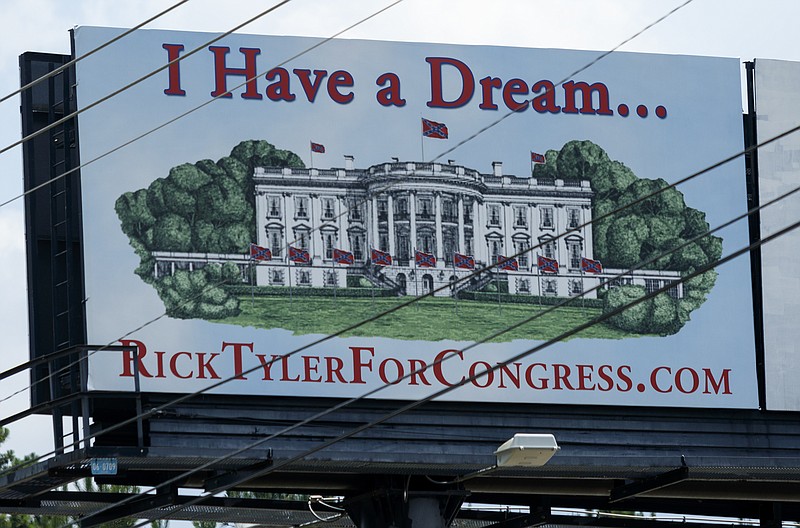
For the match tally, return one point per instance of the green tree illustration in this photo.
(204, 207)
(653, 227)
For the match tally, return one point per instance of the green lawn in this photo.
(429, 319)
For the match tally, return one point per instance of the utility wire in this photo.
(91, 52)
(417, 403)
(565, 79)
(137, 138)
(505, 330)
(140, 79)
(417, 299)
(405, 304)
(188, 112)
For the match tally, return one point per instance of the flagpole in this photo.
(497, 286)
(538, 282)
(416, 278)
(453, 285)
(311, 154)
(333, 276)
(371, 284)
(583, 297)
(252, 284)
(422, 142)
(291, 296)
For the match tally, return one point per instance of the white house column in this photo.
(288, 232)
(508, 222)
(390, 205)
(461, 224)
(439, 233)
(317, 247)
(373, 224)
(478, 235)
(261, 219)
(342, 221)
(412, 210)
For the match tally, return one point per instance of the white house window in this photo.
(383, 208)
(449, 210)
(546, 218)
(549, 287)
(304, 278)
(574, 251)
(573, 218)
(274, 206)
(425, 208)
(401, 208)
(520, 247)
(520, 216)
(301, 237)
(549, 248)
(494, 215)
(575, 287)
(357, 243)
(495, 248)
(330, 240)
(354, 209)
(524, 285)
(276, 277)
(328, 209)
(275, 238)
(330, 278)
(301, 207)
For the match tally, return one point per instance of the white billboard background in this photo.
(703, 125)
(777, 103)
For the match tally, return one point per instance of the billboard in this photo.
(776, 99)
(336, 182)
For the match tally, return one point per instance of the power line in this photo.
(91, 52)
(139, 80)
(188, 112)
(569, 333)
(511, 327)
(44, 184)
(565, 79)
(434, 291)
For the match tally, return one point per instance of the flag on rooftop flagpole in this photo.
(260, 253)
(434, 130)
(537, 158)
(424, 260)
(319, 148)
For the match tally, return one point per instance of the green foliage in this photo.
(202, 207)
(643, 231)
(205, 207)
(200, 293)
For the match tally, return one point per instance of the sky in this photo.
(725, 28)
